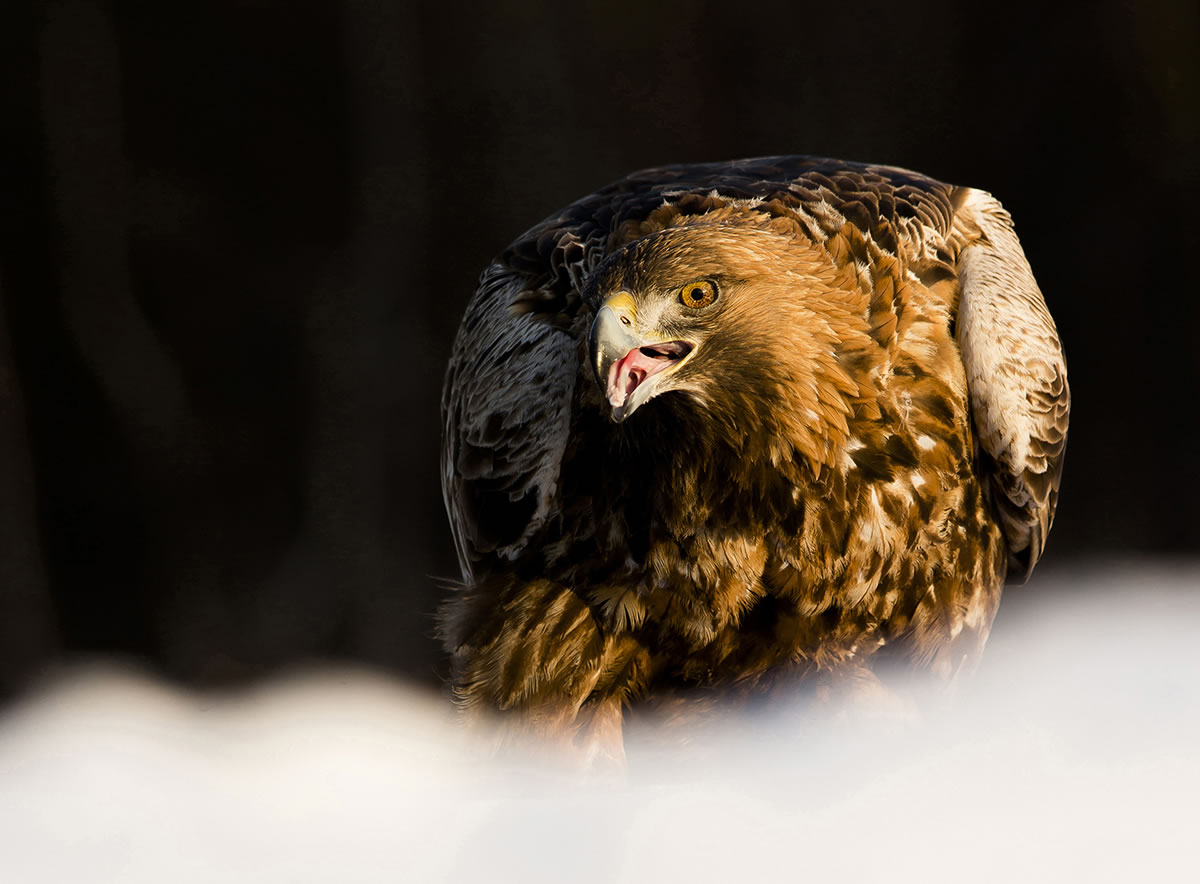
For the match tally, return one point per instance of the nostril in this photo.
(625, 321)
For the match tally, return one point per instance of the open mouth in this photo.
(639, 364)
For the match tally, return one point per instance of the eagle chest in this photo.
(814, 570)
(692, 566)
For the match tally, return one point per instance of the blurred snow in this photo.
(1072, 755)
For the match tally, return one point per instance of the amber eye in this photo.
(698, 294)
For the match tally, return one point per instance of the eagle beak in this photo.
(629, 367)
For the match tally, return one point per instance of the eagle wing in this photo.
(1016, 377)
(517, 360)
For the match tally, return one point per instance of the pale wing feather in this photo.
(1016, 374)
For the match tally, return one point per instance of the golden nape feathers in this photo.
(743, 425)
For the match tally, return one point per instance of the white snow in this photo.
(1072, 755)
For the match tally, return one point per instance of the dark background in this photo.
(238, 237)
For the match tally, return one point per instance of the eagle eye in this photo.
(698, 294)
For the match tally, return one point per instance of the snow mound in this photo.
(1070, 756)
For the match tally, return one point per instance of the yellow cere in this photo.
(622, 302)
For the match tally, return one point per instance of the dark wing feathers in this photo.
(506, 412)
(516, 362)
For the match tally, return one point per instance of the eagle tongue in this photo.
(628, 373)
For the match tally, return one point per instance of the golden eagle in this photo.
(719, 425)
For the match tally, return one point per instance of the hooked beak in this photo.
(630, 368)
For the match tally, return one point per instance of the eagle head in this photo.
(741, 313)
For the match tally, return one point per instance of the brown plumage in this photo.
(730, 425)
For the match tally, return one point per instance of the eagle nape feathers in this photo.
(735, 425)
